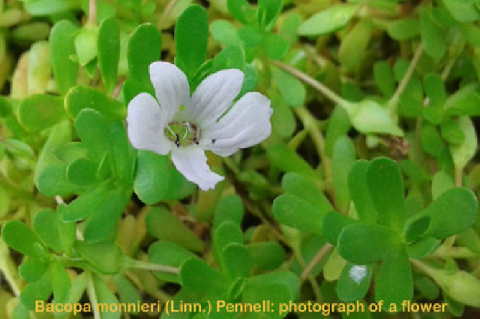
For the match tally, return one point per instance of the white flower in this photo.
(188, 125)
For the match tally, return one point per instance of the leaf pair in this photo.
(382, 232)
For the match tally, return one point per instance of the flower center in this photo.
(182, 133)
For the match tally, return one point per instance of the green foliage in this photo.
(365, 191)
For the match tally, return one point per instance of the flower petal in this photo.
(146, 124)
(192, 163)
(171, 87)
(214, 95)
(246, 124)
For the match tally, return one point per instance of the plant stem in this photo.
(315, 260)
(311, 279)
(423, 267)
(310, 124)
(335, 98)
(458, 177)
(392, 104)
(137, 264)
(454, 252)
(166, 11)
(92, 12)
(92, 295)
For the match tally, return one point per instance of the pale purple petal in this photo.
(171, 87)
(146, 123)
(192, 163)
(246, 124)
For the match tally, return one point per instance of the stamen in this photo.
(170, 130)
(187, 130)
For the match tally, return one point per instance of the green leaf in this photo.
(283, 120)
(369, 117)
(123, 154)
(464, 102)
(442, 223)
(39, 290)
(404, 29)
(165, 226)
(93, 130)
(229, 208)
(462, 11)
(87, 203)
(132, 88)
(267, 12)
(266, 255)
(275, 46)
(435, 90)
(231, 57)
(287, 160)
(44, 179)
(423, 247)
(241, 11)
(81, 97)
(49, 7)
(363, 244)
(440, 184)
(394, 282)
(251, 38)
(86, 44)
(276, 278)
(289, 28)
(127, 292)
(21, 238)
(354, 282)
(32, 269)
(383, 75)
(432, 36)
(52, 181)
(191, 37)
(385, 183)
(198, 277)
(431, 141)
(354, 46)
(39, 112)
(45, 225)
(306, 189)
(332, 225)
(107, 297)
(291, 89)
(226, 233)
(82, 172)
(39, 67)
(236, 260)
(157, 179)
(343, 158)
(144, 47)
(451, 131)
(338, 125)
(168, 254)
(109, 52)
(105, 258)
(292, 211)
(357, 185)
(61, 284)
(327, 21)
(426, 287)
(99, 225)
(225, 32)
(465, 151)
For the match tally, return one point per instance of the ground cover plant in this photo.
(282, 153)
